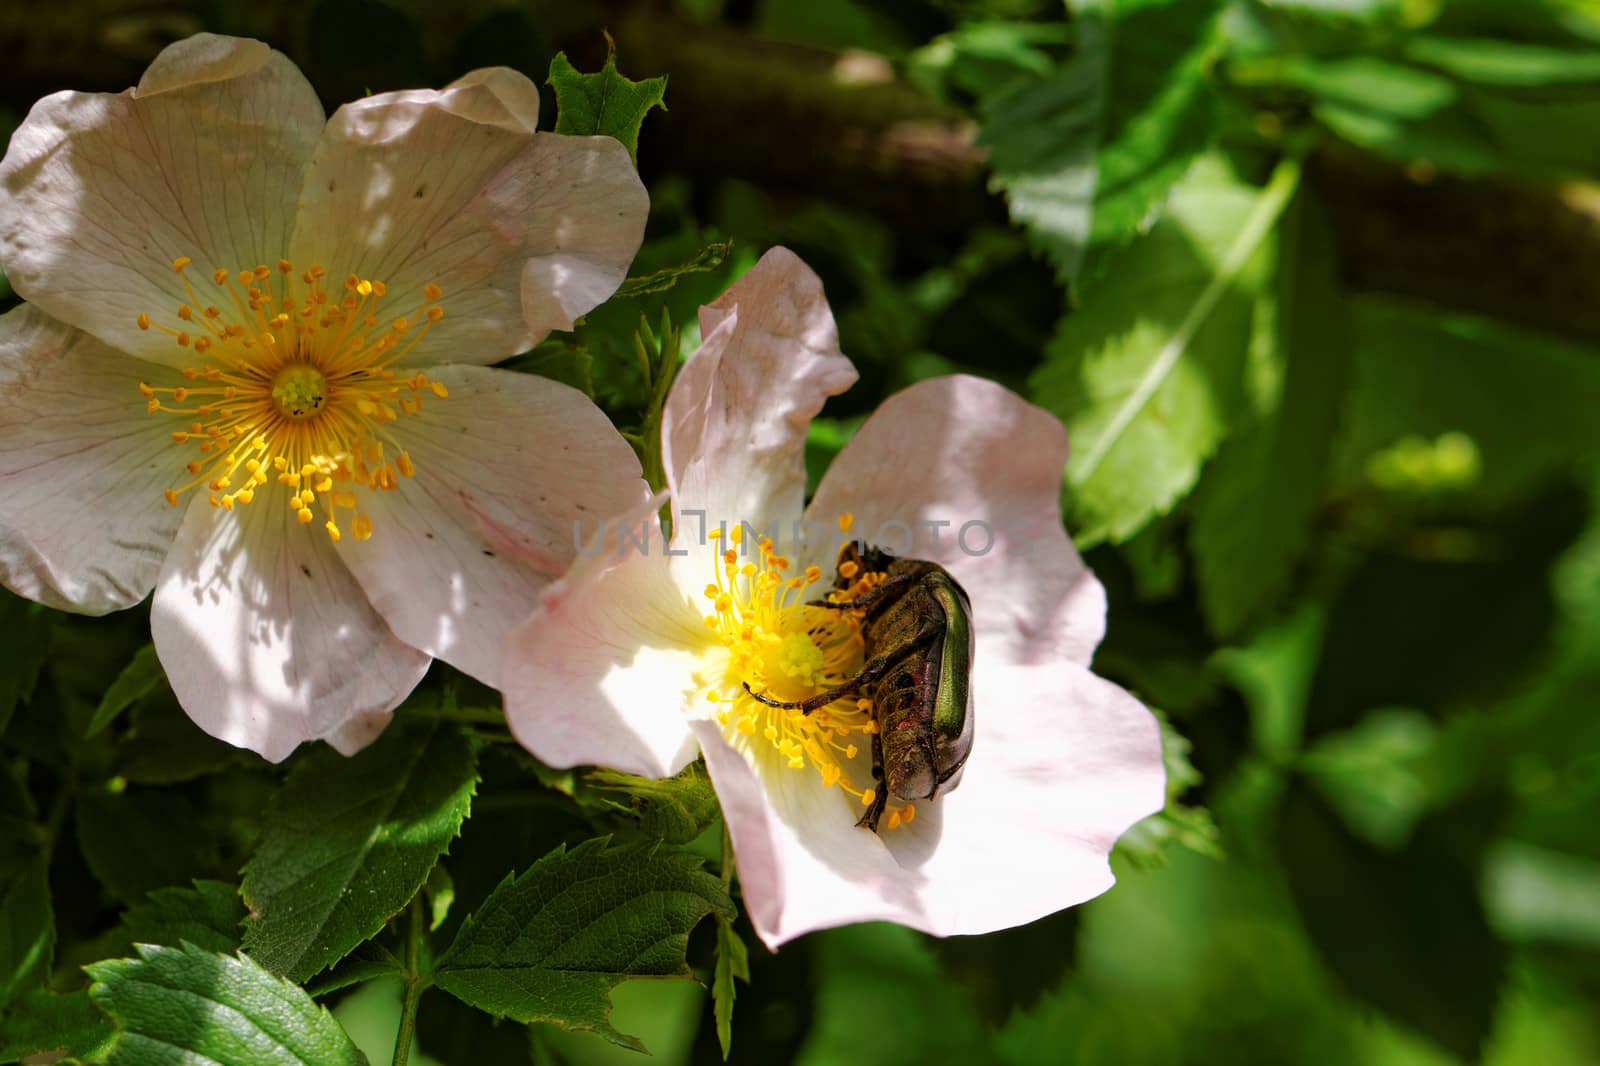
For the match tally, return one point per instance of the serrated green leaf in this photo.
(191, 1005)
(367, 962)
(349, 841)
(25, 634)
(27, 931)
(45, 1021)
(207, 915)
(141, 840)
(550, 945)
(137, 680)
(1257, 500)
(733, 963)
(675, 809)
(1084, 153)
(604, 103)
(1148, 373)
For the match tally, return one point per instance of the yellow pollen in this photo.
(781, 647)
(293, 379)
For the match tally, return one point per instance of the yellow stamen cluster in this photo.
(786, 649)
(293, 386)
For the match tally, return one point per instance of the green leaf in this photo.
(1507, 63)
(550, 945)
(1085, 153)
(137, 680)
(366, 963)
(207, 916)
(1147, 374)
(349, 841)
(558, 361)
(27, 932)
(45, 1021)
(1275, 470)
(25, 634)
(674, 809)
(162, 746)
(141, 839)
(733, 963)
(1405, 932)
(191, 1005)
(604, 103)
(882, 999)
(1423, 372)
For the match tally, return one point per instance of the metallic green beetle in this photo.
(917, 628)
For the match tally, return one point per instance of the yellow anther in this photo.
(172, 497)
(361, 526)
(907, 813)
(220, 276)
(180, 437)
(143, 320)
(305, 516)
(364, 287)
(435, 314)
(262, 272)
(333, 530)
(848, 569)
(185, 312)
(736, 534)
(179, 263)
(432, 291)
(846, 520)
(245, 495)
(146, 390)
(407, 468)
(867, 796)
(439, 390)
(285, 267)
(894, 819)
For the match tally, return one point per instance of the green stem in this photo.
(413, 983)
(727, 855)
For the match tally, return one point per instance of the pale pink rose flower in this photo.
(638, 658)
(252, 376)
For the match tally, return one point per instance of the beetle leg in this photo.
(869, 673)
(880, 793)
(875, 595)
(817, 702)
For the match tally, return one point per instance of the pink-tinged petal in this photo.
(733, 432)
(523, 232)
(100, 193)
(987, 464)
(605, 670)
(266, 637)
(1063, 763)
(512, 471)
(83, 524)
(803, 863)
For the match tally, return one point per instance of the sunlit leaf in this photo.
(549, 945)
(350, 840)
(191, 1005)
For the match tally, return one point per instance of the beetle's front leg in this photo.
(880, 791)
(869, 673)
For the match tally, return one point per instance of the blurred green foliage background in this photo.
(1315, 284)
